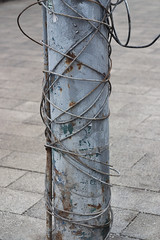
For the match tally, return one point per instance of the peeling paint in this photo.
(58, 236)
(72, 104)
(95, 206)
(67, 128)
(79, 65)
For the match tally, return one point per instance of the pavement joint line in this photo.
(145, 119)
(133, 210)
(16, 179)
(31, 206)
(131, 221)
(33, 124)
(16, 190)
(6, 155)
(34, 101)
(32, 171)
(17, 151)
(13, 213)
(135, 188)
(139, 160)
(26, 191)
(1, 134)
(148, 90)
(152, 139)
(122, 235)
(138, 211)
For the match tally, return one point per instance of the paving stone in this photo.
(135, 199)
(21, 129)
(118, 237)
(23, 144)
(38, 210)
(30, 182)
(9, 103)
(28, 107)
(25, 161)
(123, 160)
(24, 94)
(147, 109)
(144, 174)
(16, 227)
(6, 114)
(135, 144)
(4, 152)
(35, 120)
(145, 226)
(120, 124)
(17, 201)
(7, 176)
(122, 218)
(124, 88)
(150, 129)
(135, 140)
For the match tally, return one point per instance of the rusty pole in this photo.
(48, 180)
(81, 191)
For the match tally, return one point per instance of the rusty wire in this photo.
(104, 80)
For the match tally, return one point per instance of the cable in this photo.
(82, 162)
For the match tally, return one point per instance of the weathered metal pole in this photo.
(78, 96)
(48, 180)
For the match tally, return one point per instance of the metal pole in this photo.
(79, 120)
(48, 180)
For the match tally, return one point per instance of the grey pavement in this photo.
(134, 126)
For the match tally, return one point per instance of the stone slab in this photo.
(4, 153)
(7, 176)
(28, 106)
(21, 129)
(30, 182)
(17, 201)
(38, 210)
(122, 218)
(118, 237)
(144, 174)
(16, 227)
(136, 199)
(25, 161)
(23, 144)
(145, 226)
(6, 114)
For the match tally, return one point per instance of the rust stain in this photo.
(71, 104)
(60, 89)
(94, 206)
(54, 195)
(57, 172)
(72, 226)
(78, 233)
(66, 201)
(102, 189)
(69, 60)
(79, 65)
(69, 69)
(58, 236)
(56, 139)
(68, 85)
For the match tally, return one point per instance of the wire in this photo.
(82, 162)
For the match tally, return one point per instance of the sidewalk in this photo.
(134, 126)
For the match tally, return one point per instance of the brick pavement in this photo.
(134, 127)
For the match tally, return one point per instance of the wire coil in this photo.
(57, 144)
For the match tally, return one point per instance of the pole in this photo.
(48, 179)
(78, 67)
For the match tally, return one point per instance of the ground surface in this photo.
(134, 127)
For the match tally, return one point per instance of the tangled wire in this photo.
(82, 162)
